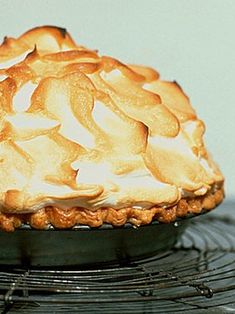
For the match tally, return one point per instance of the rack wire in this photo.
(196, 275)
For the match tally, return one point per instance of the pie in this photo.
(87, 139)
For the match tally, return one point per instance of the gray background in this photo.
(191, 41)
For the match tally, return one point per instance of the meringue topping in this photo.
(82, 130)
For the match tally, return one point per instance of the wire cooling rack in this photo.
(197, 275)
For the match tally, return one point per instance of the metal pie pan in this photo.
(84, 246)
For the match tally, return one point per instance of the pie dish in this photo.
(88, 140)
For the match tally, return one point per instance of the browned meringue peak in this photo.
(174, 98)
(137, 103)
(83, 130)
(46, 39)
(175, 165)
(148, 73)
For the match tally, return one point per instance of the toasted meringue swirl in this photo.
(82, 130)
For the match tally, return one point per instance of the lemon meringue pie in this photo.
(87, 139)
